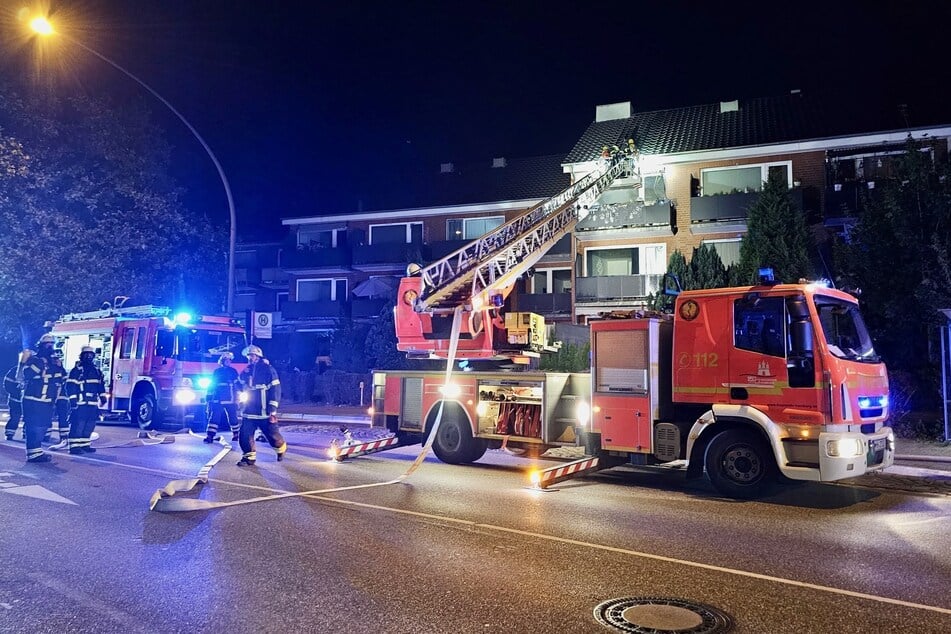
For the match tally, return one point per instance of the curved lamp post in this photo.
(43, 26)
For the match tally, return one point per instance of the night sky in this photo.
(303, 102)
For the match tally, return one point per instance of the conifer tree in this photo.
(776, 236)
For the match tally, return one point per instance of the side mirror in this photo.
(672, 286)
(801, 331)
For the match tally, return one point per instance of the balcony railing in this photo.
(317, 258)
(626, 215)
(272, 275)
(367, 308)
(388, 253)
(616, 287)
(314, 310)
(845, 200)
(726, 207)
(545, 303)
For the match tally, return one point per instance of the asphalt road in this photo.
(450, 549)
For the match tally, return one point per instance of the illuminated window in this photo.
(471, 228)
(741, 179)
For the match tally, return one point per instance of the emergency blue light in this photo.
(183, 318)
(766, 275)
(204, 382)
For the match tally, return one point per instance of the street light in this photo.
(42, 26)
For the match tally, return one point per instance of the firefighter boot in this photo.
(281, 451)
(44, 458)
(210, 438)
(89, 450)
(76, 451)
(246, 462)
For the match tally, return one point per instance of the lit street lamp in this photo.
(42, 26)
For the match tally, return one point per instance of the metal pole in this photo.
(945, 362)
(211, 155)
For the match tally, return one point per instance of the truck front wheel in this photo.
(739, 464)
(454, 443)
(143, 412)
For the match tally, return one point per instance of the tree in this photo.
(380, 345)
(89, 213)
(898, 253)
(346, 353)
(776, 236)
(706, 268)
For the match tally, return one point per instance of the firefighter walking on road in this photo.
(86, 387)
(42, 381)
(14, 388)
(263, 390)
(60, 422)
(223, 400)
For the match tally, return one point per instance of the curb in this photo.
(329, 420)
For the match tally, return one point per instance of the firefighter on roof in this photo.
(263, 390)
(42, 381)
(12, 384)
(86, 388)
(222, 399)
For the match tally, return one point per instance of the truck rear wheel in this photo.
(144, 411)
(454, 443)
(739, 464)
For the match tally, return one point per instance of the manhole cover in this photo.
(657, 615)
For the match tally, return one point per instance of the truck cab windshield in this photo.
(201, 345)
(844, 330)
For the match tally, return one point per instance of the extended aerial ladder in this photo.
(477, 278)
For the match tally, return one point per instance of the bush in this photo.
(905, 419)
(340, 388)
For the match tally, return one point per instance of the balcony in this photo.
(626, 216)
(545, 303)
(273, 276)
(322, 309)
(615, 288)
(323, 259)
(845, 201)
(730, 207)
(378, 257)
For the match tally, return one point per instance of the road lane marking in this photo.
(36, 491)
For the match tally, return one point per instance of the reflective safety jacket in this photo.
(224, 383)
(12, 385)
(263, 388)
(42, 380)
(85, 385)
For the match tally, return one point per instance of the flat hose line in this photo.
(165, 500)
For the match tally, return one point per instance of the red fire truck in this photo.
(157, 365)
(742, 383)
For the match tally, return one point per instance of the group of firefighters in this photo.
(48, 399)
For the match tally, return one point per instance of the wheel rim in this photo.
(742, 464)
(450, 438)
(144, 412)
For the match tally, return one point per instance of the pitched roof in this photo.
(760, 121)
(472, 183)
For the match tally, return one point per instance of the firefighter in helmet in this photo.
(86, 387)
(60, 422)
(13, 385)
(223, 399)
(263, 390)
(42, 381)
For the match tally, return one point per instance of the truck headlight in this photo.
(844, 448)
(185, 396)
(204, 382)
(450, 390)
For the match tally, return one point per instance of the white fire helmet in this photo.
(87, 349)
(227, 356)
(255, 350)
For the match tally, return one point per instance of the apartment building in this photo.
(701, 169)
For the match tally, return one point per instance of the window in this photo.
(128, 337)
(245, 259)
(649, 259)
(728, 250)
(317, 237)
(140, 343)
(654, 188)
(321, 290)
(551, 281)
(760, 325)
(281, 300)
(402, 233)
(744, 178)
(471, 228)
